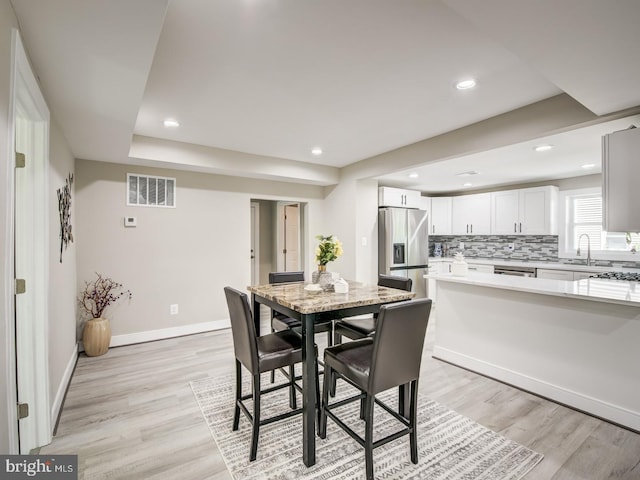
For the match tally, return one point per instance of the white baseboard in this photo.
(62, 388)
(163, 333)
(594, 406)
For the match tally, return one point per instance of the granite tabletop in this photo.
(295, 297)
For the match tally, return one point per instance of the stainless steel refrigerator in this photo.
(403, 245)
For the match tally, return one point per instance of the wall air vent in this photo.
(148, 191)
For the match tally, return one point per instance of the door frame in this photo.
(33, 363)
(255, 232)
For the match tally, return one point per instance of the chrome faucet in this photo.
(588, 247)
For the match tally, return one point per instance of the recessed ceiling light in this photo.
(467, 174)
(466, 84)
(169, 122)
(467, 184)
(413, 175)
(316, 151)
(542, 148)
(588, 166)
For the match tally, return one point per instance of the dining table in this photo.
(311, 307)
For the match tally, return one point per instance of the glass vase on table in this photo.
(323, 278)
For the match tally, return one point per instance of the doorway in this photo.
(277, 233)
(29, 256)
(290, 227)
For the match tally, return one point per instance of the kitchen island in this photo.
(577, 343)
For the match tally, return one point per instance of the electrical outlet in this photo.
(173, 309)
(461, 246)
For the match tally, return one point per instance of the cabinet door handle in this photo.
(433, 229)
(520, 227)
(472, 228)
(467, 228)
(515, 227)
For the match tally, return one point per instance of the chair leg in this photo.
(368, 436)
(318, 404)
(413, 422)
(337, 338)
(236, 412)
(256, 417)
(402, 391)
(322, 423)
(292, 388)
(273, 372)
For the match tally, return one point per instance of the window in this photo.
(148, 191)
(581, 215)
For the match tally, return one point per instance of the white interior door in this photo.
(31, 255)
(291, 250)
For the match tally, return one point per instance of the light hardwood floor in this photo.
(130, 414)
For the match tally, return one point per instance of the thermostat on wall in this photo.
(130, 221)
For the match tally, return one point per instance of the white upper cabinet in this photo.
(528, 211)
(620, 174)
(425, 204)
(398, 197)
(440, 222)
(471, 214)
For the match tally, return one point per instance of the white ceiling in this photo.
(274, 78)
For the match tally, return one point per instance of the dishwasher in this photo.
(514, 271)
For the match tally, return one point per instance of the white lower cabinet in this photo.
(480, 267)
(581, 275)
(554, 274)
(567, 275)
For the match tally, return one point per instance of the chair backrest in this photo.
(286, 277)
(395, 281)
(398, 344)
(242, 329)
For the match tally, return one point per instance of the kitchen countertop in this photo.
(594, 289)
(549, 265)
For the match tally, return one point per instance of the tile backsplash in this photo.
(539, 248)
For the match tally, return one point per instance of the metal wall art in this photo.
(64, 207)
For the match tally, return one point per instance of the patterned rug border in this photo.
(466, 463)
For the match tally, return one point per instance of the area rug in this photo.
(450, 446)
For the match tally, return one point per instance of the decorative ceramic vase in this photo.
(96, 336)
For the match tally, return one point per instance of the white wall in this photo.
(62, 276)
(351, 210)
(184, 255)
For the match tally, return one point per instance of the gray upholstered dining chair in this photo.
(281, 322)
(362, 327)
(392, 357)
(258, 355)
(355, 328)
